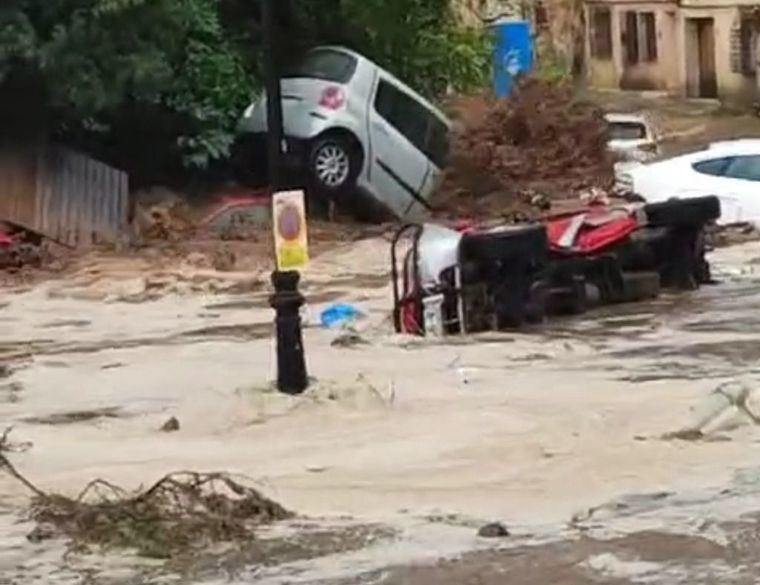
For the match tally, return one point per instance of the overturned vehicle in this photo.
(475, 278)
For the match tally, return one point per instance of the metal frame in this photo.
(416, 231)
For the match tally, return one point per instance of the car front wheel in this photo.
(333, 165)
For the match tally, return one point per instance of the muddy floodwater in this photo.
(404, 447)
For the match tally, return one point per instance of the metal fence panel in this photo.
(63, 194)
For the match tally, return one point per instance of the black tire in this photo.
(683, 212)
(346, 156)
(525, 242)
(569, 299)
(640, 286)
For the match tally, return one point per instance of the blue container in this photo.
(340, 315)
(513, 54)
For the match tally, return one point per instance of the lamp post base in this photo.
(287, 302)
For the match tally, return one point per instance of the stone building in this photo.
(694, 48)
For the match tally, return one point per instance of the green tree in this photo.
(155, 85)
(157, 64)
(418, 40)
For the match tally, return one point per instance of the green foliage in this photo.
(417, 40)
(161, 83)
(552, 66)
(100, 59)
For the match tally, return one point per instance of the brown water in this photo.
(406, 446)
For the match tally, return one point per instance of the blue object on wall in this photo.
(513, 54)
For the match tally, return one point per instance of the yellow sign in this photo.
(291, 244)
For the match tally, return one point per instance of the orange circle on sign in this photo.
(289, 222)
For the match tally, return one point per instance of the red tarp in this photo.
(599, 230)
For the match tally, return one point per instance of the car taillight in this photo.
(332, 98)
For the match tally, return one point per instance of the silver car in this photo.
(632, 137)
(364, 138)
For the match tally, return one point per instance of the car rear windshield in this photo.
(324, 64)
(627, 131)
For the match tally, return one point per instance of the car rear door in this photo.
(437, 152)
(399, 168)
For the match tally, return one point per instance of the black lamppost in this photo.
(286, 300)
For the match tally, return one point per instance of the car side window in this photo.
(744, 167)
(437, 144)
(715, 166)
(402, 112)
(413, 120)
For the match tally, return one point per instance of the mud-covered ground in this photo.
(404, 447)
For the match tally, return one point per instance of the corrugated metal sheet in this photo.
(64, 195)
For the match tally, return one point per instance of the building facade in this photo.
(694, 48)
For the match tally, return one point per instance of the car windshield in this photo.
(325, 64)
(627, 131)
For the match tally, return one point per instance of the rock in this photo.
(41, 533)
(349, 339)
(684, 435)
(493, 530)
(161, 214)
(170, 425)
(224, 259)
(198, 260)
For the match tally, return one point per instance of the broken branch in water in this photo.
(180, 512)
(5, 446)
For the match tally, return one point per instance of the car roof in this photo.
(617, 117)
(362, 59)
(725, 148)
(740, 146)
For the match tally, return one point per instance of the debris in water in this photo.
(180, 513)
(112, 366)
(170, 425)
(493, 530)
(729, 406)
(542, 140)
(77, 416)
(11, 392)
(224, 259)
(348, 339)
(340, 315)
(6, 446)
(163, 215)
(684, 435)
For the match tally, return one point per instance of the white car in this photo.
(729, 170)
(632, 137)
(363, 137)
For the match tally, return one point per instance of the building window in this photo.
(742, 47)
(649, 30)
(639, 37)
(631, 38)
(747, 45)
(601, 33)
